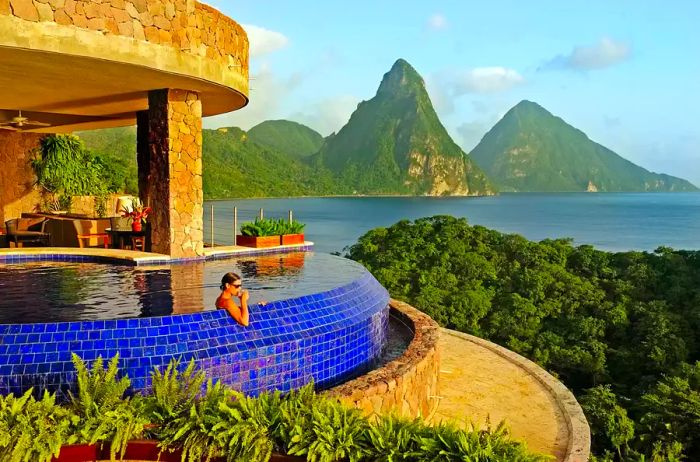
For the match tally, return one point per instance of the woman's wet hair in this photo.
(229, 278)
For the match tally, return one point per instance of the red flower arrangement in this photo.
(137, 214)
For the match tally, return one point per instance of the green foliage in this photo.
(260, 228)
(618, 328)
(173, 393)
(290, 138)
(271, 227)
(529, 149)
(610, 425)
(104, 414)
(65, 168)
(672, 409)
(31, 430)
(338, 433)
(223, 423)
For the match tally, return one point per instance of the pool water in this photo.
(63, 291)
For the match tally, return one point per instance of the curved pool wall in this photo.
(327, 337)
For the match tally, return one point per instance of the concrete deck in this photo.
(481, 381)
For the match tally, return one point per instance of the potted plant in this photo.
(292, 232)
(259, 233)
(137, 214)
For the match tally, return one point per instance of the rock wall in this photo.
(175, 174)
(408, 385)
(182, 24)
(17, 192)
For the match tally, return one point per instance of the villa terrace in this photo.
(162, 65)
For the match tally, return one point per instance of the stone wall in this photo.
(408, 385)
(17, 193)
(186, 25)
(175, 175)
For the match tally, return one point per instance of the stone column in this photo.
(175, 176)
(143, 155)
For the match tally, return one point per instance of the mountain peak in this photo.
(529, 107)
(532, 150)
(395, 143)
(402, 77)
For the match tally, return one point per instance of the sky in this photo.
(626, 72)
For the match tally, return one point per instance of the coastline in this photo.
(410, 196)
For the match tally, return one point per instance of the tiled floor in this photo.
(477, 384)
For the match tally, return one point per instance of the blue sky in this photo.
(626, 72)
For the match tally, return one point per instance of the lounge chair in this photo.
(27, 231)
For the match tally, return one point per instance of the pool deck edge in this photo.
(24, 254)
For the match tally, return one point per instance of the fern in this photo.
(392, 439)
(103, 411)
(31, 430)
(338, 433)
(173, 392)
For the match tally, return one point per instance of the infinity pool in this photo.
(326, 320)
(65, 291)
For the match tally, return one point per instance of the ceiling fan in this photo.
(19, 122)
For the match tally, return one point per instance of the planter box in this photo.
(147, 450)
(258, 242)
(291, 239)
(78, 453)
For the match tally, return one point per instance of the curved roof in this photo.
(86, 65)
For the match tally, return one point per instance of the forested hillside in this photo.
(622, 330)
(531, 150)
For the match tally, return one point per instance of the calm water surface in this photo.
(56, 292)
(613, 221)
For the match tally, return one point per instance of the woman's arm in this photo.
(240, 314)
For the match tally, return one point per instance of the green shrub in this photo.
(104, 414)
(271, 227)
(224, 423)
(31, 430)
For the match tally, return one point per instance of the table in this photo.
(121, 239)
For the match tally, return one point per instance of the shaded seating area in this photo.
(85, 234)
(21, 231)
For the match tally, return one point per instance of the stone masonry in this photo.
(175, 174)
(407, 386)
(186, 25)
(17, 191)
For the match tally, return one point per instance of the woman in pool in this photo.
(231, 286)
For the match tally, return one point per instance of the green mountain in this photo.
(530, 149)
(395, 144)
(287, 137)
(236, 166)
(233, 165)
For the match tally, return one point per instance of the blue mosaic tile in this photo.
(326, 337)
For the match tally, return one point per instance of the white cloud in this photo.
(487, 80)
(437, 22)
(328, 115)
(264, 41)
(606, 53)
(267, 94)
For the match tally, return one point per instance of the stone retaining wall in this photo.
(407, 385)
(579, 441)
(186, 25)
(17, 192)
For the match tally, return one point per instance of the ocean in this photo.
(608, 221)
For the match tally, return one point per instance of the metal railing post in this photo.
(262, 215)
(212, 226)
(291, 217)
(235, 225)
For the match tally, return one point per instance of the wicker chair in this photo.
(27, 231)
